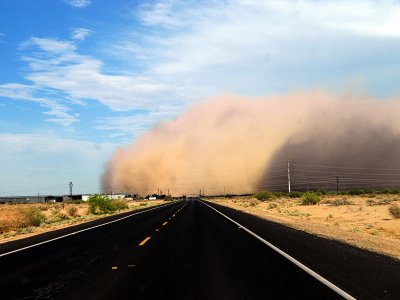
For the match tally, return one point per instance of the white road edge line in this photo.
(290, 258)
(82, 230)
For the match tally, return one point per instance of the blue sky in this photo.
(80, 78)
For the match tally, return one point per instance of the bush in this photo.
(99, 204)
(264, 195)
(119, 204)
(72, 211)
(394, 210)
(169, 198)
(280, 194)
(338, 202)
(310, 199)
(295, 194)
(31, 216)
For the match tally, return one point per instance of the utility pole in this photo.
(288, 174)
(224, 191)
(337, 184)
(70, 188)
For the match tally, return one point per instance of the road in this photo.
(187, 250)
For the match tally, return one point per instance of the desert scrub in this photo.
(99, 204)
(386, 201)
(72, 211)
(56, 216)
(120, 204)
(310, 199)
(339, 202)
(272, 205)
(295, 194)
(30, 216)
(264, 195)
(394, 210)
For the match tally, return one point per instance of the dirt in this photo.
(364, 221)
(58, 216)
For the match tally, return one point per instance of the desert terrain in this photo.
(23, 220)
(363, 221)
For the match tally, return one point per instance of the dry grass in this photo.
(353, 219)
(22, 220)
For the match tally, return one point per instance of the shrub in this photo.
(272, 205)
(338, 202)
(99, 204)
(119, 204)
(310, 199)
(394, 210)
(169, 198)
(264, 195)
(72, 211)
(295, 194)
(31, 216)
(280, 194)
(355, 192)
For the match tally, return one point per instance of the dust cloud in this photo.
(236, 145)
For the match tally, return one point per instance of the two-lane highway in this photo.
(185, 250)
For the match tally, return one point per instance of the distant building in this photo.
(77, 197)
(30, 199)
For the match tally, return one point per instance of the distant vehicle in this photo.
(152, 197)
(192, 197)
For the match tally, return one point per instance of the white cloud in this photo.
(80, 33)
(58, 111)
(28, 159)
(78, 3)
(59, 67)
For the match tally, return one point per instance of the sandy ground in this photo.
(58, 215)
(365, 223)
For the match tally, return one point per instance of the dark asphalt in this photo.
(197, 254)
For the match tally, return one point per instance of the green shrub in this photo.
(280, 194)
(355, 192)
(264, 195)
(31, 216)
(99, 204)
(295, 194)
(310, 199)
(394, 210)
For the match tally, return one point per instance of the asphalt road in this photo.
(187, 250)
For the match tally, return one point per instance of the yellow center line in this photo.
(114, 268)
(165, 223)
(145, 241)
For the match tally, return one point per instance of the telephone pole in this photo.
(70, 188)
(337, 184)
(288, 174)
